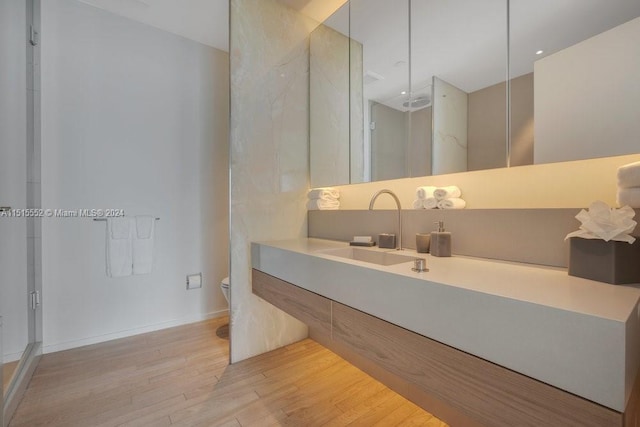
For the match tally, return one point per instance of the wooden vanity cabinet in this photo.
(457, 387)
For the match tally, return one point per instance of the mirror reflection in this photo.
(584, 59)
(431, 89)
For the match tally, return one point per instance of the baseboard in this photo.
(12, 357)
(52, 348)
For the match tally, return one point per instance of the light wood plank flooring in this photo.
(181, 376)
(7, 373)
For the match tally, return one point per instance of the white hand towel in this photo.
(453, 203)
(629, 197)
(322, 205)
(629, 175)
(328, 193)
(425, 192)
(449, 192)
(417, 204)
(119, 258)
(143, 242)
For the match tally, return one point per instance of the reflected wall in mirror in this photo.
(336, 113)
(329, 112)
(584, 56)
(570, 90)
(459, 51)
(381, 27)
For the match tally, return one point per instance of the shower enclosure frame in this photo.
(31, 355)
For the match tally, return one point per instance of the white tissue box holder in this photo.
(611, 262)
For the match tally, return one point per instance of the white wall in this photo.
(269, 158)
(132, 118)
(13, 177)
(587, 98)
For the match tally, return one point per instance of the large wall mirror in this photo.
(425, 87)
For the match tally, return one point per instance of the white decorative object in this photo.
(605, 223)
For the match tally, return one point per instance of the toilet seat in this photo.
(224, 287)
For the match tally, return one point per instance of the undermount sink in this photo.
(372, 256)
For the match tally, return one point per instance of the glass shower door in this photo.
(19, 192)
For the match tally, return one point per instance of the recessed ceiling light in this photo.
(539, 52)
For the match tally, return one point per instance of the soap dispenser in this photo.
(440, 241)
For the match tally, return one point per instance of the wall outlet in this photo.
(194, 281)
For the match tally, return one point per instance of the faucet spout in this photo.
(392, 194)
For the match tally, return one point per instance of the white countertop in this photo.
(579, 335)
(535, 284)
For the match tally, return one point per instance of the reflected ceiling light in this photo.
(404, 92)
(418, 102)
(539, 52)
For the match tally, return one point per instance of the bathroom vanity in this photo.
(473, 341)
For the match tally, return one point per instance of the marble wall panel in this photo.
(269, 60)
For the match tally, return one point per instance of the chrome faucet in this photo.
(392, 194)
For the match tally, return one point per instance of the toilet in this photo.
(224, 286)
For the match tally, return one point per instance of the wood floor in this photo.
(7, 373)
(181, 377)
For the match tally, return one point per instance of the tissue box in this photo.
(387, 241)
(610, 262)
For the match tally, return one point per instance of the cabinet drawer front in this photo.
(491, 394)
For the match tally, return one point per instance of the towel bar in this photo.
(104, 219)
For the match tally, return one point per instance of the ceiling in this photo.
(205, 21)
(464, 41)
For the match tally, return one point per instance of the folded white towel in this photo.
(119, 258)
(629, 197)
(629, 175)
(143, 242)
(322, 205)
(449, 192)
(327, 193)
(428, 203)
(119, 227)
(453, 203)
(425, 191)
(145, 226)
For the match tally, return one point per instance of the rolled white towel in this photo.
(453, 203)
(430, 203)
(449, 192)
(327, 193)
(425, 192)
(629, 197)
(322, 205)
(629, 175)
